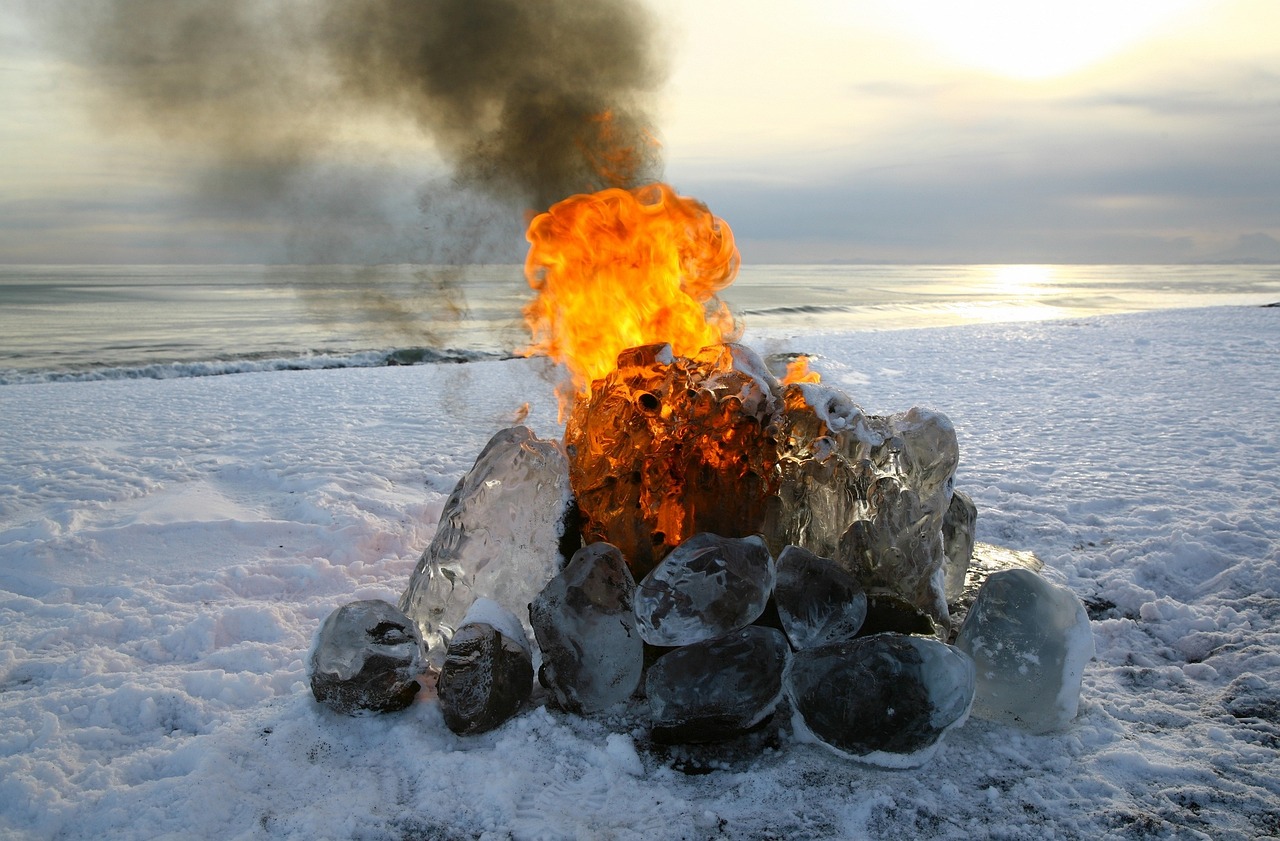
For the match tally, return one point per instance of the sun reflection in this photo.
(1022, 280)
(1009, 293)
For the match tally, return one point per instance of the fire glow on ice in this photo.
(697, 468)
(883, 699)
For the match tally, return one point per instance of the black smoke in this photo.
(528, 101)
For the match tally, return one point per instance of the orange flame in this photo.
(798, 371)
(622, 268)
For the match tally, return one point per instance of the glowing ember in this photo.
(624, 268)
(668, 446)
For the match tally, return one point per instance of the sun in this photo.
(1021, 39)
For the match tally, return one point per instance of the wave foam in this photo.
(218, 367)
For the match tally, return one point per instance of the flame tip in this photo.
(620, 268)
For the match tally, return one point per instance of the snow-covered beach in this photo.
(168, 549)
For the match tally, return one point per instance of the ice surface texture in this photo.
(499, 535)
(487, 672)
(707, 587)
(957, 542)
(716, 689)
(869, 492)
(366, 657)
(584, 620)
(886, 699)
(667, 447)
(986, 560)
(817, 601)
(1030, 640)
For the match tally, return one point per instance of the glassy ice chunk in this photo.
(366, 657)
(487, 672)
(958, 526)
(827, 450)
(867, 491)
(499, 535)
(898, 549)
(887, 699)
(817, 601)
(585, 623)
(668, 446)
(716, 689)
(1030, 640)
(707, 587)
(987, 560)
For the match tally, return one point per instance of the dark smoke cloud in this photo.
(528, 100)
(516, 92)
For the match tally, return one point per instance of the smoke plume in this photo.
(527, 101)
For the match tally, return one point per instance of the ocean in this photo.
(76, 323)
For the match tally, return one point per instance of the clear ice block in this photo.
(958, 530)
(707, 587)
(584, 620)
(886, 699)
(870, 492)
(1030, 640)
(487, 672)
(717, 689)
(818, 602)
(366, 657)
(499, 535)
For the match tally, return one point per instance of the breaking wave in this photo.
(249, 364)
(802, 309)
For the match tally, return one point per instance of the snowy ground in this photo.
(168, 549)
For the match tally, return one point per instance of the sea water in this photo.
(93, 322)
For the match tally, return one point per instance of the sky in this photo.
(911, 131)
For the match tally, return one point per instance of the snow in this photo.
(168, 549)
(488, 612)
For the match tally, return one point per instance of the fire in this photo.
(671, 426)
(623, 268)
(666, 446)
(798, 371)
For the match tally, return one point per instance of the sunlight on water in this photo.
(1023, 281)
(78, 318)
(994, 311)
(800, 299)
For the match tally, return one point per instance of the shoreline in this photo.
(793, 323)
(164, 321)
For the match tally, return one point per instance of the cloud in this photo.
(1252, 247)
(270, 110)
(1103, 206)
(813, 141)
(1156, 165)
